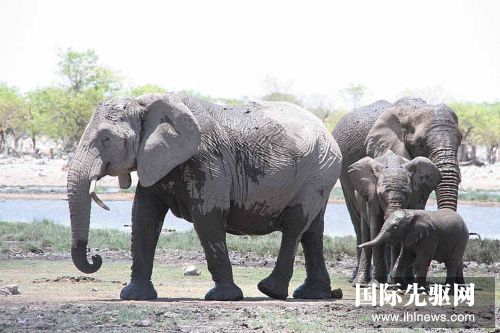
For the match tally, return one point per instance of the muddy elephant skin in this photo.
(246, 170)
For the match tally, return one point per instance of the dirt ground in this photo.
(54, 295)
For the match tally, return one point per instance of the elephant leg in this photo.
(355, 215)
(392, 254)
(460, 273)
(405, 260)
(363, 275)
(211, 230)
(317, 283)
(276, 284)
(379, 263)
(148, 213)
(422, 264)
(451, 272)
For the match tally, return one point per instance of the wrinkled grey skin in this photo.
(410, 127)
(383, 185)
(440, 235)
(247, 170)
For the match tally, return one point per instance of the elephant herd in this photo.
(270, 166)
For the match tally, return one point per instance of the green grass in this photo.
(483, 251)
(47, 235)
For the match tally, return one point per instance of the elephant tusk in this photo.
(463, 189)
(94, 196)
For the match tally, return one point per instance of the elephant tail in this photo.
(475, 234)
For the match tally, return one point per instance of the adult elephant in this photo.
(410, 127)
(252, 169)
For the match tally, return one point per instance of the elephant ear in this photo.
(421, 227)
(363, 175)
(387, 133)
(424, 178)
(170, 136)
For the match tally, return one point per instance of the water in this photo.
(481, 219)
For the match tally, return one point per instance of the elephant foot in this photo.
(362, 280)
(273, 287)
(379, 280)
(227, 291)
(138, 291)
(399, 283)
(313, 291)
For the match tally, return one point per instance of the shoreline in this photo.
(129, 196)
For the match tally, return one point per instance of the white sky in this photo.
(227, 48)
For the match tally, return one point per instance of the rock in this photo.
(10, 289)
(144, 323)
(192, 271)
(337, 293)
(94, 289)
(471, 264)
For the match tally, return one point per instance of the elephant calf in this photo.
(439, 235)
(247, 170)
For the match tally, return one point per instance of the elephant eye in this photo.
(106, 141)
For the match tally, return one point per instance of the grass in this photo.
(47, 235)
(483, 251)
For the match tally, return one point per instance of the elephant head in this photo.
(402, 226)
(391, 182)
(413, 128)
(151, 134)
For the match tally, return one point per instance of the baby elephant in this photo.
(440, 235)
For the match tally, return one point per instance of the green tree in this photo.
(282, 97)
(480, 125)
(12, 109)
(85, 84)
(353, 95)
(333, 118)
(146, 89)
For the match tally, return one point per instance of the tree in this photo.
(80, 71)
(353, 95)
(146, 89)
(320, 105)
(333, 118)
(479, 124)
(85, 84)
(279, 91)
(12, 109)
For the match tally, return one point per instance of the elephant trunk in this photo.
(447, 189)
(82, 169)
(382, 237)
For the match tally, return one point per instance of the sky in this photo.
(227, 48)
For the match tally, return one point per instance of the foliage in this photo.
(483, 251)
(80, 71)
(146, 89)
(479, 123)
(353, 95)
(333, 118)
(282, 97)
(12, 111)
